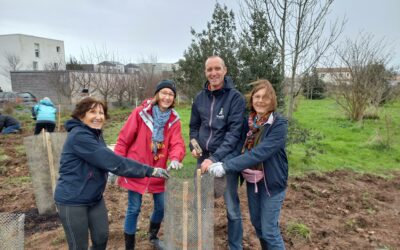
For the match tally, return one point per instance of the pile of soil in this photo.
(341, 210)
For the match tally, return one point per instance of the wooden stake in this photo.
(51, 161)
(59, 117)
(199, 211)
(185, 215)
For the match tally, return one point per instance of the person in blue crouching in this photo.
(45, 114)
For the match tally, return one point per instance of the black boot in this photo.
(153, 231)
(129, 241)
(263, 244)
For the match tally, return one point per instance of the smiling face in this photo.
(215, 72)
(262, 103)
(94, 117)
(165, 98)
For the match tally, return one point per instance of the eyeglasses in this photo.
(167, 93)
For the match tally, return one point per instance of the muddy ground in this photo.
(341, 209)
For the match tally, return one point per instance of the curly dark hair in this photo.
(87, 104)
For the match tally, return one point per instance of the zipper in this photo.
(209, 124)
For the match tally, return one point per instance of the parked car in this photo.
(24, 98)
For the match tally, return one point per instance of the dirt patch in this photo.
(341, 209)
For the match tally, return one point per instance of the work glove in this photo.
(160, 173)
(174, 164)
(217, 169)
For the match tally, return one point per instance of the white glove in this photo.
(217, 169)
(174, 164)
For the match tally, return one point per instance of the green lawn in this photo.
(360, 146)
(334, 141)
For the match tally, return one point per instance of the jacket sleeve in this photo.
(176, 150)
(194, 124)
(234, 129)
(86, 146)
(128, 134)
(274, 141)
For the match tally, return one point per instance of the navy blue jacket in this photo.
(85, 163)
(271, 151)
(216, 120)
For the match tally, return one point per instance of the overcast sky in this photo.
(135, 29)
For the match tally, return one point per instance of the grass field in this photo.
(329, 140)
(368, 146)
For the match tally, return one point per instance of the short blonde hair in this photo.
(263, 84)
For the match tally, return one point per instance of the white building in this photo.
(334, 75)
(24, 52)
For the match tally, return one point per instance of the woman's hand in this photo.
(160, 173)
(217, 169)
(175, 164)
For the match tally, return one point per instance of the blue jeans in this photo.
(231, 197)
(264, 214)
(11, 129)
(133, 210)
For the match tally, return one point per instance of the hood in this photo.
(46, 102)
(70, 124)
(228, 83)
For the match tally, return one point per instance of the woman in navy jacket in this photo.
(84, 166)
(263, 164)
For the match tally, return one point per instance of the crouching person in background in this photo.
(9, 125)
(84, 166)
(45, 116)
(152, 135)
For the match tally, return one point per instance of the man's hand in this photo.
(174, 164)
(205, 165)
(160, 173)
(217, 169)
(195, 154)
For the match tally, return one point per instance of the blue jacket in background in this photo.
(45, 111)
(216, 120)
(271, 152)
(85, 163)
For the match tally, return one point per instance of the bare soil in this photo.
(342, 209)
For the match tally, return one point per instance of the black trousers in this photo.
(48, 126)
(77, 221)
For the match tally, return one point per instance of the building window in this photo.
(37, 50)
(35, 65)
(58, 49)
(56, 66)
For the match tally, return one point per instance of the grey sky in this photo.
(135, 29)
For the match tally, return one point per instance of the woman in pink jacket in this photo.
(152, 135)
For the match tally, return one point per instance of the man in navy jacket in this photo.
(216, 123)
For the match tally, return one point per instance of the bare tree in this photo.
(367, 59)
(299, 30)
(135, 88)
(149, 76)
(121, 88)
(12, 63)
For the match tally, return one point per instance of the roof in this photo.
(332, 70)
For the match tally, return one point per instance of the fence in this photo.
(12, 231)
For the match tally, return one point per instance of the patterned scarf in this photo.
(159, 120)
(255, 123)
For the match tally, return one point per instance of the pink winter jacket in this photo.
(134, 141)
